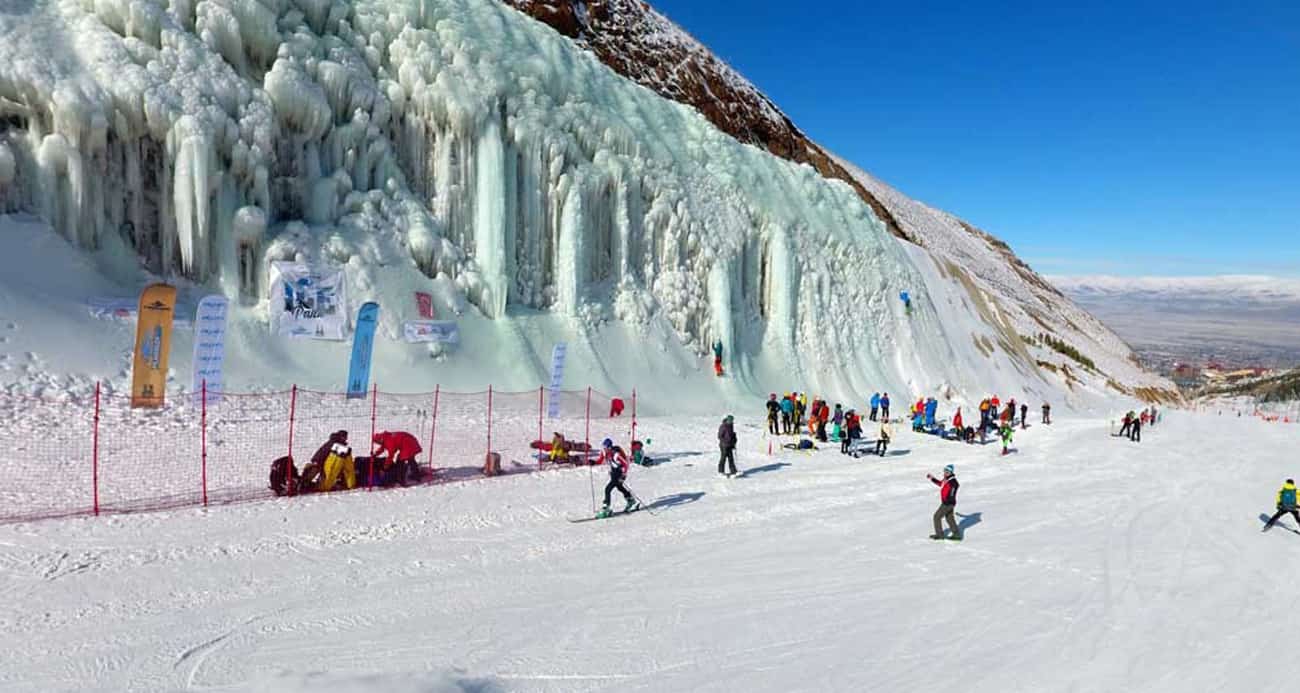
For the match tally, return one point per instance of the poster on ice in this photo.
(445, 331)
(308, 301)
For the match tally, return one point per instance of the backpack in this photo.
(284, 476)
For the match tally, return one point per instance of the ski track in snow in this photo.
(1090, 563)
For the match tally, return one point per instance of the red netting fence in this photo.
(91, 453)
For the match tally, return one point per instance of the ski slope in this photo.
(1090, 564)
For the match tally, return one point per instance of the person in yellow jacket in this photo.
(339, 460)
(1286, 503)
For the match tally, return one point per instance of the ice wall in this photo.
(448, 137)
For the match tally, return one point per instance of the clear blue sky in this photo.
(1124, 138)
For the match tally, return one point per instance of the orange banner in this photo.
(153, 343)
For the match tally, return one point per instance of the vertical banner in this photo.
(363, 343)
(153, 343)
(210, 347)
(424, 302)
(558, 355)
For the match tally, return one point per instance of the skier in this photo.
(1135, 430)
(773, 410)
(1024, 416)
(1286, 503)
(339, 461)
(618, 466)
(884, 406)
(717, 358)
(875, 405)
(787, 414)
(1047, 413)
(1006, 433)
(885, 433)
(1152, 422)
(947, 504)
(727, 446)
(1128, 425)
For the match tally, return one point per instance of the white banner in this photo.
(445, 331)
(309, 302)
(124, 310)
(558, 356)
(210, 346)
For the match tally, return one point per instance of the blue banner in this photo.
(363, 343)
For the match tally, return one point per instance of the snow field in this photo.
(1090, 564)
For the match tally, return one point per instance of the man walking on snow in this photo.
(618, 466)
(875, 405)
(882, 442)
(727, 446)
(1047, 413)
(1286, 503)
(947, 504)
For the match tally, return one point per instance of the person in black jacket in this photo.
(727, 446)
(773, 411)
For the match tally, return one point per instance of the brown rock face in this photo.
(639, 43)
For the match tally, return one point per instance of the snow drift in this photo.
(458, 144)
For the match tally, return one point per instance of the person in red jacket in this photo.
(947, 504)
(618, 465)
(398, 450)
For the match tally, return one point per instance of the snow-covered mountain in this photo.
(457, 146)
(1228, 287)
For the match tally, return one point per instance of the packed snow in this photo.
(1089, 563)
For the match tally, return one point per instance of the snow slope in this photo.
(812, 572)
(458, 147)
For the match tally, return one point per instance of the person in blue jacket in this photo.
(884, 406)
(931, 408)
(787, 414)
(1286, 503)
(875, 405)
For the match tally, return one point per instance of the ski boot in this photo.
(632, 504)
(604, 512)
(936, 536)
(955, 537)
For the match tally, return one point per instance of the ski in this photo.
(604, 517)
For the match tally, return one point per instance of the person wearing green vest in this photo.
(1286, 503)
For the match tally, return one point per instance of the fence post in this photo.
(433, 427)
(293, 408)
(374, 406)
(633, 416)
(588, 434)
(94, 455)
(540, 405)
(489, 427)
(203, 441)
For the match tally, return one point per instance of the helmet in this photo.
(608, 443)
(949, 470)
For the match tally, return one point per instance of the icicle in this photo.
(489, 219)
(8, 166)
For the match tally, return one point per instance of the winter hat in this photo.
(728, 418)
(949, 470)
(772, 396)
(608, 443)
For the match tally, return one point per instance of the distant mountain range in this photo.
(1244, 318)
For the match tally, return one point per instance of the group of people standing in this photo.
(1134, 422)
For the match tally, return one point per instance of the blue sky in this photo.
(1124, 138)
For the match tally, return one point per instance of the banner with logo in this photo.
(210, 346)
(308, 301)
(153, 343)
(363, 344)
(126, 309)
(558, 356)
(445, 331)
(424, 302)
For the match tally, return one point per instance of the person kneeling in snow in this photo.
(947, 504)
(339, 460)
(618, 466)
(1286, 503)
(398, 450)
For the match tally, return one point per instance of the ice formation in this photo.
(445, 137)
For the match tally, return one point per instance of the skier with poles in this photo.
(727, 447)
(1286, 503)
(947, 504)
(618, 466)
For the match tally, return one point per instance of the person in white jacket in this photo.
(886, 433)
